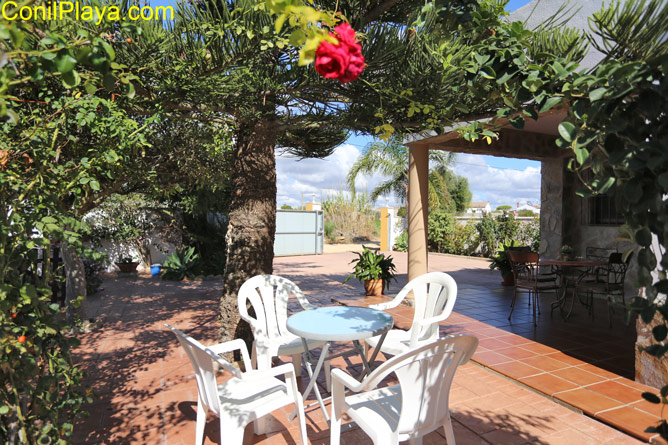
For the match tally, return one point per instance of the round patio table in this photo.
(338, 323)
(559, 266)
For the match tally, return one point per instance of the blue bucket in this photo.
(155, 269)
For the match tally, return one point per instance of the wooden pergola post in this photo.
(418, 193)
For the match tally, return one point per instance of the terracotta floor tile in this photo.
(545, 363)
(565, 358)
(570, 436)
(635, 385)
(516, 352)
(617, 391)
(548, 383)
(630, 420)
(598, 371)
(488, 358)
(655, 409)
(588, 401)
(514, 340)
(507, 436)
(516, 370)
(538, 348)
(493, 344)
(578, 376)
(482, 402)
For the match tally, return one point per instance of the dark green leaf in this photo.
(549, 103)
(597, 94)
(651, 398)
(643, 237)
(65, 63)
(567, 131)
(660, 332)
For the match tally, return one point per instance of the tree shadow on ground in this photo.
(133, 359)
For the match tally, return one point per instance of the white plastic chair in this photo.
(435, 294)
(416, 406)
(245, 397)
(269, 294)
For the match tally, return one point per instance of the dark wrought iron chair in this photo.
(607, 282)
(528, 279)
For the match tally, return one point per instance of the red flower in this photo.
(343, 61)
(331, 60)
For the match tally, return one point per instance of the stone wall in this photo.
(649, 370)
(551, 206)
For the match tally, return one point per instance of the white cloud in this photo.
(499, 185)
(320, 176)
(326, 176)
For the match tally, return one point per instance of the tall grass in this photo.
(351, 214)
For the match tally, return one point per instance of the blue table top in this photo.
(340, 323)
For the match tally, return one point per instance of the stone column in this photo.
(551, 206)
(418, 193)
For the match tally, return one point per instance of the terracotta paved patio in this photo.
(147, 393)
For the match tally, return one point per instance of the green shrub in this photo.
(401, 243)
(526, 213)
(41, 393)
(352, 215)
(330, 227)
(487, 234)
(507, 227)
(529, 234)
(401, 213)
(440, 225)
(180, 264)
(94, 263)
(504, 207)
(462, 241)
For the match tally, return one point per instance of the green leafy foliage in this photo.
(182, 263)
(349, 215)
(372, 265)
(487, 234)
(501, 261)
(401, 243)
(440, 226)
(330, 227)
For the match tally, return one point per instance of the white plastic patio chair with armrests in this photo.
(411, 409)
(269, 295)
(245, 397)
(435, 294)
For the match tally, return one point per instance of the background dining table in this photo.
(561, 267)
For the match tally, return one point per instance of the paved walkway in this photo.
(147, 393)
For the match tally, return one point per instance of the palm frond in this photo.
(635, 31)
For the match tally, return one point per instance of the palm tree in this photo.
(391, 160)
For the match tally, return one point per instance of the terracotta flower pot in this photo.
(373, 288)
(127, 267)
(508, 280)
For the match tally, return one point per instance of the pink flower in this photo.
(343, 61)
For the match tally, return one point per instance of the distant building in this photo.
(533, 208)
(479, 207)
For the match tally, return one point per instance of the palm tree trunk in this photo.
(252, 219)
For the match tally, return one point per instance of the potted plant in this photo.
(127, 264)
(567, 252)
(374, 269)
(501, 261)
